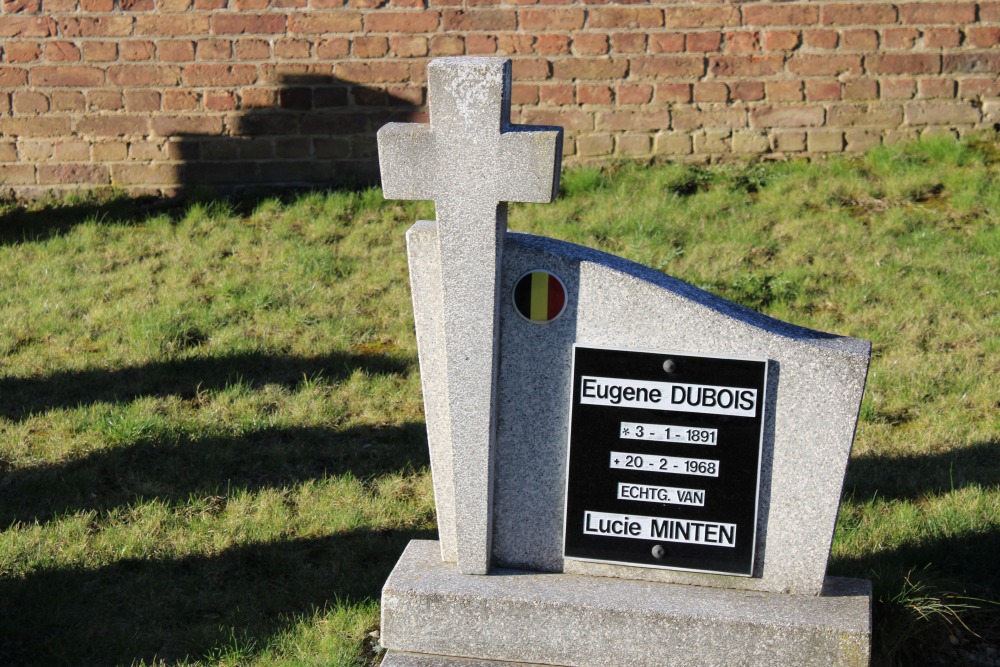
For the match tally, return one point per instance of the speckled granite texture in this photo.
(429, 608)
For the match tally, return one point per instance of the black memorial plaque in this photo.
(664, 460)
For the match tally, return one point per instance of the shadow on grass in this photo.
(20, 397)
(913, 477)
(928, 594)
(169, 609)
(208, 467)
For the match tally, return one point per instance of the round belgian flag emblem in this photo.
(539, 296)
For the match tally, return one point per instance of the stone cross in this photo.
(470, 161)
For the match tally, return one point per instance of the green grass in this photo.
(211, 437)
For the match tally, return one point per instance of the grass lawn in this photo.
(212, 448)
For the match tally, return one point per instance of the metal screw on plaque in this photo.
(659, 551)
(670, 365)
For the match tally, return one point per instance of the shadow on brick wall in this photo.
(319, 131)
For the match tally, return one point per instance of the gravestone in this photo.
(627, 470)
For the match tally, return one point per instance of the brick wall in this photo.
(151, 95)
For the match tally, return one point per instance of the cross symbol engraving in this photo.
(470, 161)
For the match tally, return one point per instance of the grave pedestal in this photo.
(433, 616)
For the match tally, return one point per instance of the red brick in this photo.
(334, 47)
(96, 26)
(859, 40)
(95, 52)
(927, 88)
(168, 25)
(408, 46)
(248, 24)
(632, 144)
(521, 93)
(634, 93)
(858, 14)
(292, 48)
(733, 66)
(370, 46)
(780, 15)
(22, 52)
(590, 45)
(989, 12)
(710, 91)
(180, 100)
(315, 23)
(983, 38)
(136, 5)
(942, 38)
(249, 48)
(512, 43)
(942, 113)
(125, 174)
(22, 6)
(373, 72)
(899, 38)
(784, 91)
(791, 116)
(402, 21)
(820, 39)
(672, 92)
(173, 6)
(11, 77)
(62, 52)
(530, 69)
(620, 18)
(75, 174)
(70, 76)
(712, 16)
(557, 93)
(742, 42)
(860, 89)
(67, 100)
(909, 63)
(716, 116)
(17, 174)
(820, 90)
(248, 5)
(571, 120)
(782, 40)
(27, 26)
(478, 19)
(666, 42)
(865, 115)
(628, 42)
(897, 89)
(551, 19)
(219, 75)
(553, 45)
(589, 68)
(702, 42)
(676, 67)
(747, 91)
(478, 44)
(167, 126)
(447, 45)
(822, 65)
(142, 100)
(72, 151)
(104, 100)
(978, 62)
(117, 125)
(25, 101)
(137, 50)
(937, 12)
(35, 126)
(633, 120)
(596, 93)
(144, 75)
(978, 88)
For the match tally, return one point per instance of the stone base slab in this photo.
(433, 616)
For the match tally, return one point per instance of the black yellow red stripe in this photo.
(539, 296)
